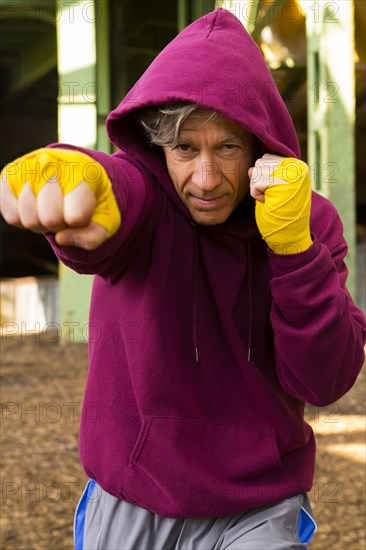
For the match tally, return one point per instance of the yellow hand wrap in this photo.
(283, 219)
(70, 168)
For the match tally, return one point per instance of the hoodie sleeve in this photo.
(136, 199)
(319, 332)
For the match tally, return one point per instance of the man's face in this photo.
(209, 167)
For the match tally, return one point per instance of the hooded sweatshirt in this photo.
(205, 345)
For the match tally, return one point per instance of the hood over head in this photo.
(215, 63)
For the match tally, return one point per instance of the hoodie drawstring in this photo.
(195, 293)
(248, 249)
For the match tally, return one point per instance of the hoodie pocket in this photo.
(181, 467)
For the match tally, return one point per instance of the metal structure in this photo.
(325, 78)
(83, 104)
(64, 65)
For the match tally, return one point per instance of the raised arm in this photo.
(319, 332)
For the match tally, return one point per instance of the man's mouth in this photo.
(208, 203)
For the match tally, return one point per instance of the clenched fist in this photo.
(61, 191)
(282, 189)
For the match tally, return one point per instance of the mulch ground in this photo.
(42, 480)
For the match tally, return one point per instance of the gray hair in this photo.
(162, 123)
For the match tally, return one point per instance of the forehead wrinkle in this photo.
(231, 137)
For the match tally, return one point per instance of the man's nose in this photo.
(207, 175)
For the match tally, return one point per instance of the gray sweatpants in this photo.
(103, 522)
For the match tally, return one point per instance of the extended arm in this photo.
(90, 205)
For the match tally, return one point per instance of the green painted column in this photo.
(331, 110)
(183, 14)
(83, 68)
(75, 293)
(103, 99)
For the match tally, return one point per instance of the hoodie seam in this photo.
(213, 23)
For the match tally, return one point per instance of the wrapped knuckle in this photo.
(11, 217)
(32, 225)
(50, 220)
(76, 219)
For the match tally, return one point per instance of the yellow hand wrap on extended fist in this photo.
(70, 167)
(283, 218)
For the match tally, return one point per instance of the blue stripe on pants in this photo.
(79, 523)
(306, 526)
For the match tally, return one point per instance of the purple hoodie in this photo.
(204, 345)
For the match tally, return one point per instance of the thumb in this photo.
(89, 237)
(250, 172)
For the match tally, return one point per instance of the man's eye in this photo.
(184, 147)
(229, 146)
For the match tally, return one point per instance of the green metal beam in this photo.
(331, 110)
(249, 16)
(103, 75)
(77, 124)
(254, 14)
(271, 11)
(183, 14)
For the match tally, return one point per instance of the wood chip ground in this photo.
(41, 478)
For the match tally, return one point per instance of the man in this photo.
(219, 294)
